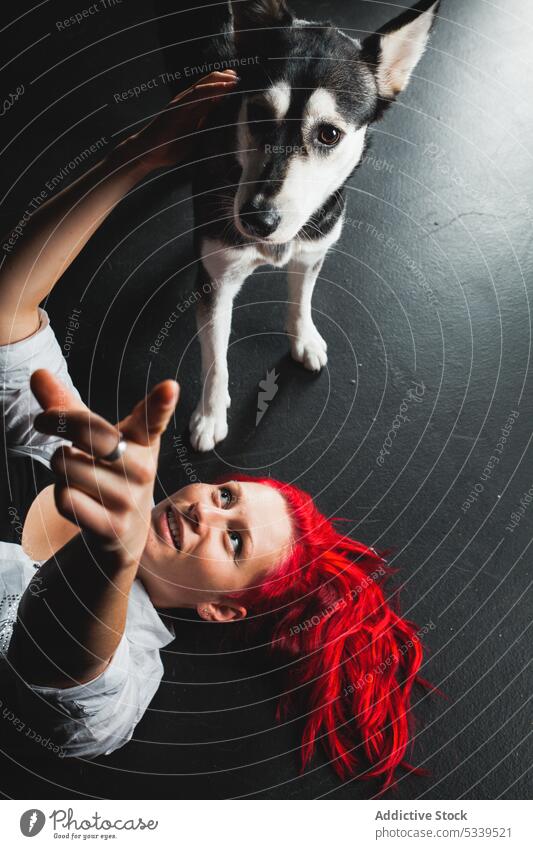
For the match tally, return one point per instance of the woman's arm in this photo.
(53, 238)
(72, 616)
(58, 230)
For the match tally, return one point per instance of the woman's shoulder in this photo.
(15, 565)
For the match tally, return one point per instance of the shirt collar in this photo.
(144, 626)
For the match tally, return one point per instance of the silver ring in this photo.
(117, 451)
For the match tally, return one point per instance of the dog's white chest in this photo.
(232, 263)
(277, 255)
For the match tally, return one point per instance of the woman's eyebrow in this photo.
(249, 544)
(245, 530)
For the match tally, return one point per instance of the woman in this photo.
(79, 628)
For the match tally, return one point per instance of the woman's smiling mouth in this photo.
(174, 528)
(170, 529)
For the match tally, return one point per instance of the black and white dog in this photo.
(269, 191)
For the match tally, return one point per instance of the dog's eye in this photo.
(258, 113)
(328, 135)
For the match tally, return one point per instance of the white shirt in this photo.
(96, 717)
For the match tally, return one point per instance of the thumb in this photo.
(51, 393)
(150, 417)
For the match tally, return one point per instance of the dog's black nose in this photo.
(258, 219)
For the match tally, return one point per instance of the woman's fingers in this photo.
(220, 79)
(91, 433)
(85, 429)
(196, 98)
(66, 416)
(50, 392)
(77, 470)
(150, 417)
(196, 105)
(217, 75)
(111, 500)
(201, 91)
(82, 510)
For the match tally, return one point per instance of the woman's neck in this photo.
(161, 594)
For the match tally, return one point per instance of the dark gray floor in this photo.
(445, 303)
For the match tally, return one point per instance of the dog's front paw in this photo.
(309, 349)
(208, 427)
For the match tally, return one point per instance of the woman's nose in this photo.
(207, 515)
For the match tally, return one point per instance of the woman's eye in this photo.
(226, 496)
(236, 541)
(329, 135)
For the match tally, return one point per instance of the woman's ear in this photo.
(216, 611)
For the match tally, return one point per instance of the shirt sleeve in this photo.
(99, 716)
(18, 406)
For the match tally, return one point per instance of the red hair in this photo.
(353, 655)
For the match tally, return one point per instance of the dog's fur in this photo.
(269, 169)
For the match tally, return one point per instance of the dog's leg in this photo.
(209, 421)
(307, 345)
(227, 270)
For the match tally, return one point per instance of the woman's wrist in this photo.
(128, 158)
(132, 157)
(110, 556)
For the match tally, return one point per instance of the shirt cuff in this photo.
(106, 683)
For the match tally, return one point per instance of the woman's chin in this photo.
(156, 550)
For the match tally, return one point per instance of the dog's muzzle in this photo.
(259, 219)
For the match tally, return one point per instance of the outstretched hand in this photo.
(170, 137)
(111, 500)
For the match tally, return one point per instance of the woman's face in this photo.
(209, 540)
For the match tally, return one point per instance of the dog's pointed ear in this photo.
(257, 14)
(394, 51)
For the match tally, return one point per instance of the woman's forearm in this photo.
(55, 235)
(58, 230)
(72, 616)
